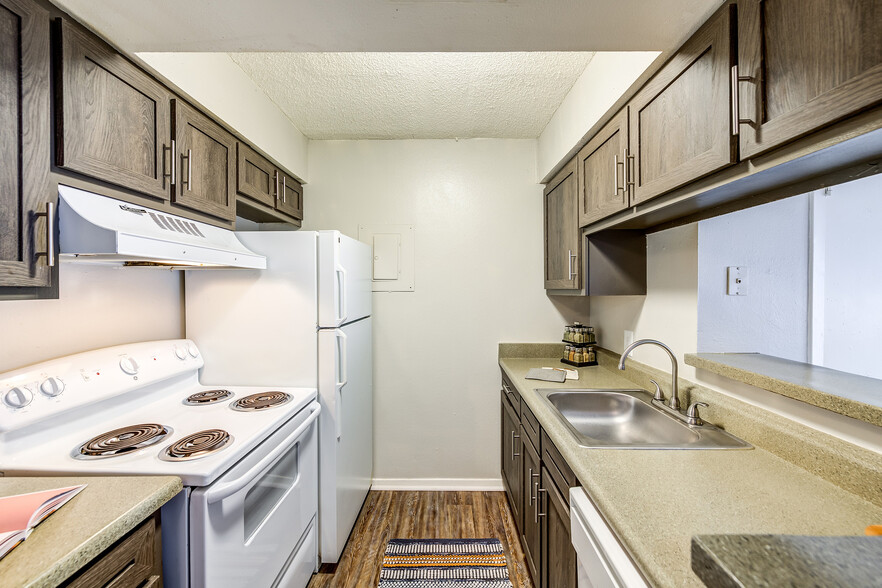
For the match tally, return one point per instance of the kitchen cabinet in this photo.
(803, 64)
(537, 482)
(264, 182)
(135, 560)
(112, 119)
(563, 243)
(26, 195)
(679, 122)
(530, 484)
(603, 182)
(511, 458)
(205, 163)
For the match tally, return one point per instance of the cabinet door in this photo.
(112, 120)
(255, 176)
(205, 163)
(558, 555)
(511, 460)
(804, 64)
(24, 144)
(290, 196)
(603, 188)
(530, 531)
(563, 242)
(680, 122)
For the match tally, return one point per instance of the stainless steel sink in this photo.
(628, 419)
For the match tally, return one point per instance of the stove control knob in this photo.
(52, 387)
(129, 365)
(180, 352)
(192, 350)
(18, 397)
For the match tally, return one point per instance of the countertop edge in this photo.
(839, 404)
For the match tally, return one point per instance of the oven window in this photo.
(263, 497)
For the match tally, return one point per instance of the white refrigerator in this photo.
(303, 321)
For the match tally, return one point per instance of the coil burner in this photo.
(197, 445)
(261, 401)
(123, 441)
(208, 397)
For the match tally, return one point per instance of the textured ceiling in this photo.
(392, 25)
(416, 95)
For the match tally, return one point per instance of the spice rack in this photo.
(580, 341)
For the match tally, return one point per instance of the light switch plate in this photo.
(736, 280)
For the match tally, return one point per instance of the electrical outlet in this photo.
(629, 337)
(736, 280)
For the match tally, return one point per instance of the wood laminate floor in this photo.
(423, 515)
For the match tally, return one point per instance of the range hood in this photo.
(97, 229)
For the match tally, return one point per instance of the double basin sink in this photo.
(630, 419)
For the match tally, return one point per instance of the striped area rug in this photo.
(444, 563)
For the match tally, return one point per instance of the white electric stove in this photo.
(247, 455)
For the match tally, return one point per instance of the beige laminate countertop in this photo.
(657, 500)
(92, 521)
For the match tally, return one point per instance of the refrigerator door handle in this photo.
(341, 294)
(342, 372)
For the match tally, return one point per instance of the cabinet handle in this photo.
(616, 164)
(284, 190)
(276, 195)
(514, 454)
(189, 158)
(629, 160)
(735, 79)
(538, 514)
(49, 254)
(171, 158)
(573, 272)
(533, 496)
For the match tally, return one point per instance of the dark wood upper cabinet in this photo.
(255, 175)
(680, 121)
(205, 163)
(563, 243)
(804, 64)
(112, 119)
(25, 133)
(290, 196)
(603, 182)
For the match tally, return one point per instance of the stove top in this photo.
(134, 410)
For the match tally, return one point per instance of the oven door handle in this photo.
(225, 490)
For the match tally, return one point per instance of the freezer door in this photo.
(345, 432)
(344, 279)
(258, 327)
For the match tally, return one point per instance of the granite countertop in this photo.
(759, 561)
(107, 509)
(657, 500)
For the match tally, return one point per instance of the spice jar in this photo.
(590, 337)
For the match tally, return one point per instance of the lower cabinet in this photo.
(537, 482)
(135, 560)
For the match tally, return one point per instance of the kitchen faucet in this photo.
(674, 402)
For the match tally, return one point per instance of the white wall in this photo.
(852, 277)
(603, 82)
(221, 86)
(477, 216)
(668, 312)
(772, 242)
(98, 306)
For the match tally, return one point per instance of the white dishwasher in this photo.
(603, 563)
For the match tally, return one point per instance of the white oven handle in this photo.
(225, 490)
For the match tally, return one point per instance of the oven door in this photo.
(246, 526)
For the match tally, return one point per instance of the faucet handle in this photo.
(659, 395)
(692, 416)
